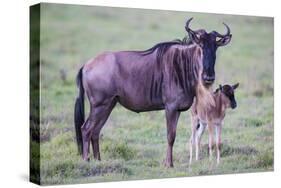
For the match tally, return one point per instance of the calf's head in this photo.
(228, 91)
(209, 43)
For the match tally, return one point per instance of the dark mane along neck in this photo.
(184, 63)
(163, 47)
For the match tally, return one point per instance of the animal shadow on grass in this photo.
(227, 150)
(106, 169)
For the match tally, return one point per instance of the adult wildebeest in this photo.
(166, 76)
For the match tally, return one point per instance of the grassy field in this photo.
(133, 146)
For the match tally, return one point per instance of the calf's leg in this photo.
(194, 123)
(218, 142)
(210, 130)
(199, 133)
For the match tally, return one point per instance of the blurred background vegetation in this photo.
(133, 145)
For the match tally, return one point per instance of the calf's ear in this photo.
(235, 86)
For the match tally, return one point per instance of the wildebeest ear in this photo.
(193, 36)
(235, 86)
(224, 41)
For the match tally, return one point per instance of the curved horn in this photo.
(187, 24)
(228, 29)
(227, 32)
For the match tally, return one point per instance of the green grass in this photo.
(133, 145)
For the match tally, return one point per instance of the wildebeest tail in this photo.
(79, 113)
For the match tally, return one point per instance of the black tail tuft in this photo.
(79, 113)
(198, 126)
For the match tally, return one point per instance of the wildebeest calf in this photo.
(211, 117)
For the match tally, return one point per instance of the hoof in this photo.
(168, 164)
(86, 159)
(98, 159)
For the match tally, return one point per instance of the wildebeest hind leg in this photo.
(86, 135)
(100, 115)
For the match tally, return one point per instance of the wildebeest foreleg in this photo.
(172, 119)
